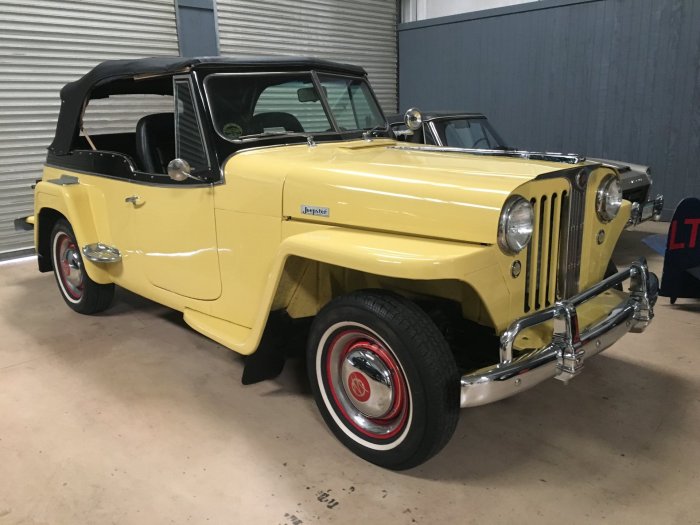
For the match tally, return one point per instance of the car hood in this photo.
(377, 185)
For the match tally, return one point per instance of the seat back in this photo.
(155, 142)
(274, 119)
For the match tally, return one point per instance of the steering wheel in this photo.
(482, 139)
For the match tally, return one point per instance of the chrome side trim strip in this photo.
(568, 158)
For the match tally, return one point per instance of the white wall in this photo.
(412, 10)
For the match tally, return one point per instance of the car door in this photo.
(171, 226)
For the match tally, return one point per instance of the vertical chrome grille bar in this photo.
(576, 241)
(534, 257)
(528, 269)
(573, 204)
(544, 259)
(555, 221)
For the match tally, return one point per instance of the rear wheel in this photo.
(81, 293)
(384, 378)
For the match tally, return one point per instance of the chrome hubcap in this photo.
(367, 383)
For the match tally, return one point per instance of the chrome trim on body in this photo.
(563, 358)
(101, 253)
(568, 158)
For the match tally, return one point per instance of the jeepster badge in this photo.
(315, 210)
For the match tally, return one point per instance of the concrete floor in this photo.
(131, 417)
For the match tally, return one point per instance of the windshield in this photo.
(473, 133)
(248, 106)
(351, 103)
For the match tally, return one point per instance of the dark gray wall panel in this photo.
(196, 28)
(618, 79)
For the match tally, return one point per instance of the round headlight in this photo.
(515, 226)
(609, 198)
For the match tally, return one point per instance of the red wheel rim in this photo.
(367, 384)
(68, 266)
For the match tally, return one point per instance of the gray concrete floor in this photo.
(131, 417)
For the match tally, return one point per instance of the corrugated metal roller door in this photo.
(361, 32)
(43, 45)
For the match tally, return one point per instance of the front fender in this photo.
(405, 257)
(389, 255)
(373, 253)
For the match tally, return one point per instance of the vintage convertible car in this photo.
(258, 192)
(474, 131)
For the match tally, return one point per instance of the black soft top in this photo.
(151, 76)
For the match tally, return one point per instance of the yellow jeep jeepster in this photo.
(261, 192)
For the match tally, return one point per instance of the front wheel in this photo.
(81, 293)
(383, 378)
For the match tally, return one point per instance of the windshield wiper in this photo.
(268, 134)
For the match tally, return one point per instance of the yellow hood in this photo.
(377, 186)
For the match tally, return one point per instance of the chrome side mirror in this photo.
(179, 170)
(413, 119)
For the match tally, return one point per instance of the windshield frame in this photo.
(370, 91)
(438, 136)
(314, 76)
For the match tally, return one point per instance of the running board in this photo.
(101, 253)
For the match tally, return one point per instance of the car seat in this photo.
(155, 142)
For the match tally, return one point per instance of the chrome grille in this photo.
(543, 252)
(553, 257)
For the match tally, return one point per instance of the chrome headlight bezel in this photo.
(513, 243)
(608, 199)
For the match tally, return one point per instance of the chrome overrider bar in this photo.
(563, 358)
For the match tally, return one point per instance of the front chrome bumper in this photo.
(563, 358)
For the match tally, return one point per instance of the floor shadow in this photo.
(613, 408)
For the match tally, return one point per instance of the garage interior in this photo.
(130, 416)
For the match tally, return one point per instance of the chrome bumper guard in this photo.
(645, 211)
(563, 358)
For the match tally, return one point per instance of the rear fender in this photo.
(72, 202)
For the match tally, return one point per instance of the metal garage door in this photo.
(361, 32)
(43, 45)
